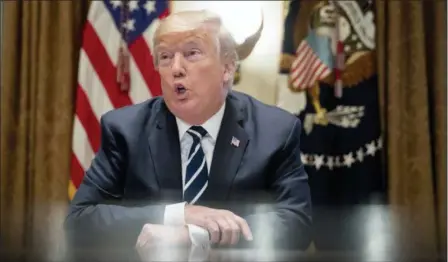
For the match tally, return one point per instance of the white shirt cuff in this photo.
(174, 214)
(200, 243)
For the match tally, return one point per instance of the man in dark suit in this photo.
(200, 165)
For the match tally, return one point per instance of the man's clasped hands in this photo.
(223, 226)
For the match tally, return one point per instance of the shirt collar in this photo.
(212, 125)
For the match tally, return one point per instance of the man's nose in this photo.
(178, 66)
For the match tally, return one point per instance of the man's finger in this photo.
(142, 236)
(235, 231)
(213, 230)
(147, 237)
(244, 228)
(226, 231)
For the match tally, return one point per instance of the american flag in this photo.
(115, 69)
(313, 62)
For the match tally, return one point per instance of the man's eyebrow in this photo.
(163, 46)
(193, 43)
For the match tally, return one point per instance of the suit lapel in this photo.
(165, 152)
(227, 155)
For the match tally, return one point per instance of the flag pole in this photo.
(123, 75)
(339, 57)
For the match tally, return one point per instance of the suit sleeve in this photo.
(97, 215)
(288, 224)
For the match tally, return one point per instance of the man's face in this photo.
(192, 75)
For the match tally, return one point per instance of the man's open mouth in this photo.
(180, 89)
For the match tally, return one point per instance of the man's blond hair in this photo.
(200, 19)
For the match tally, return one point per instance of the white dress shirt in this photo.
(174, 214)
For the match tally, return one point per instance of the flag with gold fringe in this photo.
(328, 79)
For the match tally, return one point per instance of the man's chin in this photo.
(188, 105)
(186, 109)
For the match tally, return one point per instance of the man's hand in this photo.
(163, 243)
(223, 226)
(156, 235)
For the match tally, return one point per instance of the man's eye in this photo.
(193, 52)
(164, 56)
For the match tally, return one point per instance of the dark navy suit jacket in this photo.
(137, 171)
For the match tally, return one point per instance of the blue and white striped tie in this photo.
(196, 177)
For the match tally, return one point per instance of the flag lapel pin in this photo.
(235, 142)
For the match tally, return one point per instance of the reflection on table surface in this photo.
(285, 255)
(215, 255)
(363, 233)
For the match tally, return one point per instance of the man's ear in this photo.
(229, 71)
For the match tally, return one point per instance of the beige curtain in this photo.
(40, 49)
(412, 69)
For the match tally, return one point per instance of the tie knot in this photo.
(198, 132)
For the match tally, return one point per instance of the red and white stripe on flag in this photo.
(98, 91)
(307, 68)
